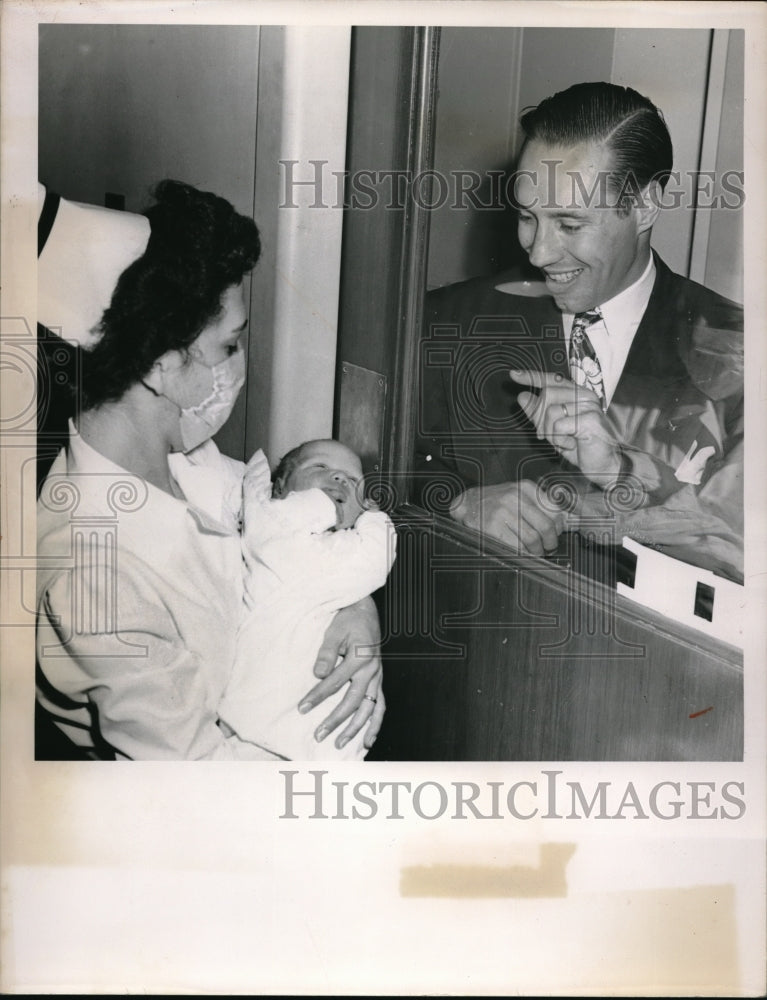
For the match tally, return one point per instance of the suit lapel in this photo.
(654, 356)
(656, 405)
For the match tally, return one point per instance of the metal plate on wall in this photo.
(362, 404)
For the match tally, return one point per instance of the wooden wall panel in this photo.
(514, 659)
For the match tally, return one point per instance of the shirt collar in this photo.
(623, 313)
(131, 492)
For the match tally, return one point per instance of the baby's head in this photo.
(328, 465)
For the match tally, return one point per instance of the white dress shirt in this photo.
(612, 337)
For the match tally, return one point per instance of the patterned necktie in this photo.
(585, 369)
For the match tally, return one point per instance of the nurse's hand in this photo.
(354, 635)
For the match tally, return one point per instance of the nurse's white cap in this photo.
(86, 251)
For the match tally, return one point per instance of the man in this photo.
(614, 395)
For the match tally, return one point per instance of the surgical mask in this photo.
(200, 422)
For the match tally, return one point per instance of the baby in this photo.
(310, 549)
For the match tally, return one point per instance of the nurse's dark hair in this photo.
(199, 246)
(630, 125)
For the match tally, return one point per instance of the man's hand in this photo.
(571, 419)
(513, 514)
(354, 635)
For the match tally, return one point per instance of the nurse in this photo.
(139, 588)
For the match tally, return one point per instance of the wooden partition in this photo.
(490, 657)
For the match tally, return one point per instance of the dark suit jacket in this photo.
(681, 391)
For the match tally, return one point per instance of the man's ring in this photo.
(565, 411)
(370, 698)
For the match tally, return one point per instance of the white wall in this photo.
(671, 68)
(722, 255)
(475, 130)
(122, 106)
(304, 76)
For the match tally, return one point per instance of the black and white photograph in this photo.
(376, 387)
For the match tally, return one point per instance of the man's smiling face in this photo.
(588, 252)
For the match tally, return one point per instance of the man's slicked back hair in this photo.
(630, 125)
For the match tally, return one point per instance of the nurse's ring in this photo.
(565, 411)
(370, 698)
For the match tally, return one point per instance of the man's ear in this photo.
(647, 211)
(278, 488)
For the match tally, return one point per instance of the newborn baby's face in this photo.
(337, 471)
